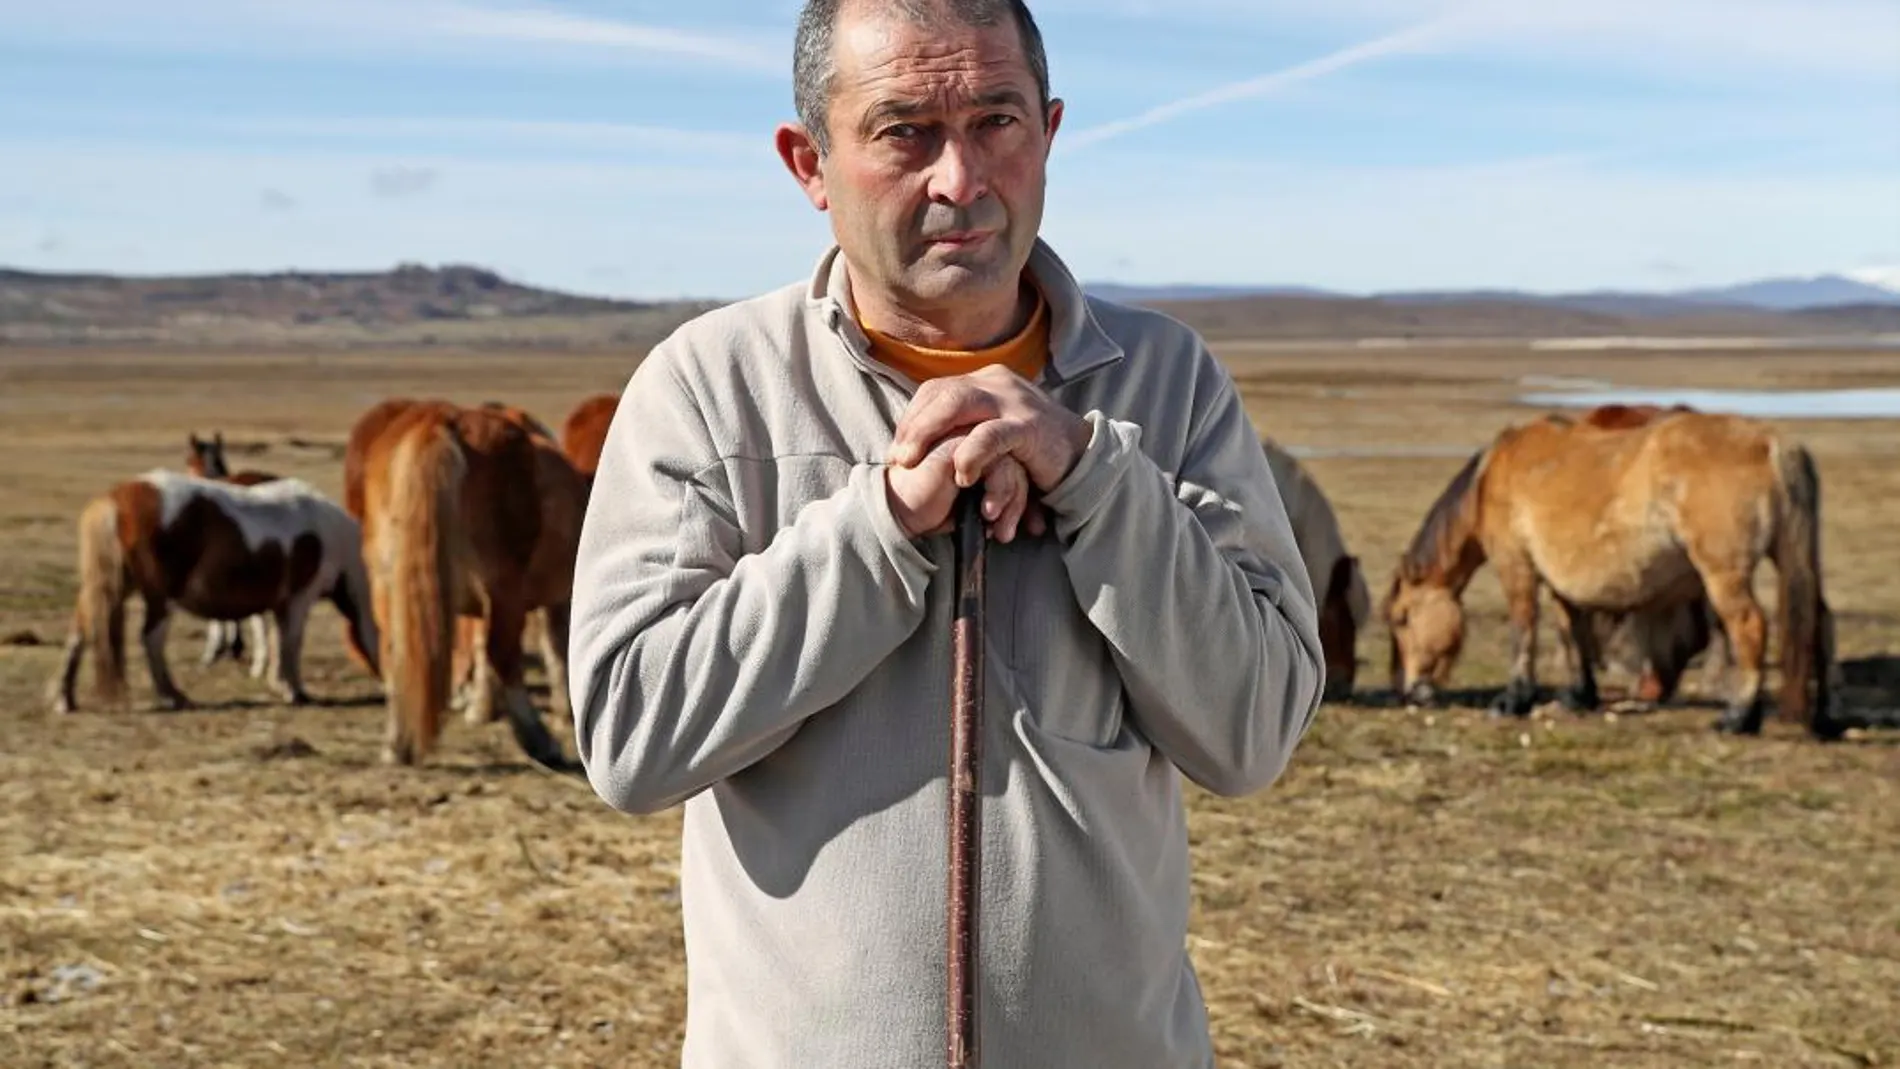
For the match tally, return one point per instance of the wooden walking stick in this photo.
(966, 783)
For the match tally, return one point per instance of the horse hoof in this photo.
(1739, 722)
(1512, 706)
(1578, 701)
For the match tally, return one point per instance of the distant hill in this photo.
(411, 303)
(410, 293)
(1371, 317)
(1791, 294)
(1187, 292)
(1781, 295)
(461, 305)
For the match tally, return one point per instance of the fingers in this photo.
(983, 447)
(940, 406)
(1005, 496)
(1036, 520)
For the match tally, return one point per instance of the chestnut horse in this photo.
(1641, 518)
(563, 493)
(1345, 601)
(453, 525)
(225, 638)
(221, 552)
(585, 432)
(1656, 645)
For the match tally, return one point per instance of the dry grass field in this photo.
(243, 884)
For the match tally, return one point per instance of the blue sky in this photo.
(624, 147)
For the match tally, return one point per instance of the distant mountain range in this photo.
(1774, 294)
(465, 305)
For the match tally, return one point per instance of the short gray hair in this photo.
(813, 63)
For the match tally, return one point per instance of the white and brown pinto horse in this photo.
(204, 457)
(1345, 601)
(219, 551)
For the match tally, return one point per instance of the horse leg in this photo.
(1734, 600)
(152, 637)
(554, 652)
(288, 667)
(1519, 578)
(476, 694)
(1581, 640)
(507, 617)
(65, 700)
(215, 644)
(262, 658)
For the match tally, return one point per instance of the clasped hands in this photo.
(990, 426)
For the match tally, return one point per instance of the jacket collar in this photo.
(1077, 342)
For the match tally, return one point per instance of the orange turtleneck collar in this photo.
(1024, 354)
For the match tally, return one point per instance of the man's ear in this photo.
(1049, 125)
(800, 153)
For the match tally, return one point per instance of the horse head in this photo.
(1427, 625)
(205, 458)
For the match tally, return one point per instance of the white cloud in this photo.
(580, 134)
(556, 27)
(345, 26)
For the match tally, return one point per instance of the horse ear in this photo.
(195, 443)
(217, 439)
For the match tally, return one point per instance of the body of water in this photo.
(1876, 402)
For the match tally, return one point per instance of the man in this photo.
(762, 614)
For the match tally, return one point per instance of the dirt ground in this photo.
(243, 884)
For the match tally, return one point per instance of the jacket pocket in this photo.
(1061, 672)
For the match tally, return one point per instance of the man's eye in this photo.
(903, 131)
(998, 120)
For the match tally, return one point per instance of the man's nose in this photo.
(958, 175)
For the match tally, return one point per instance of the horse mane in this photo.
(528, 420)
(1435, 547)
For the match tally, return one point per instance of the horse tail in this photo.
(424, 585)
(99, 616)
(1798, 562)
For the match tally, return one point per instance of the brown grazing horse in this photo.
(221, 552)
(453, 525)
(563, 493)
(1618, 520)
(584, 433)
(1654, 644)
(1658, 645)
(204, 457)
(1345, 601)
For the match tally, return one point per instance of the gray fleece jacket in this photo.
(754, 636)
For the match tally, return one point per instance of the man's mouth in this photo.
(959, 238)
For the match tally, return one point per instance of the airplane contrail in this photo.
(1379, 47)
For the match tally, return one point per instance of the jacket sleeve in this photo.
(690, 659)
(1199, 590)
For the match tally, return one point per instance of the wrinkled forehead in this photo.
(885, 61)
